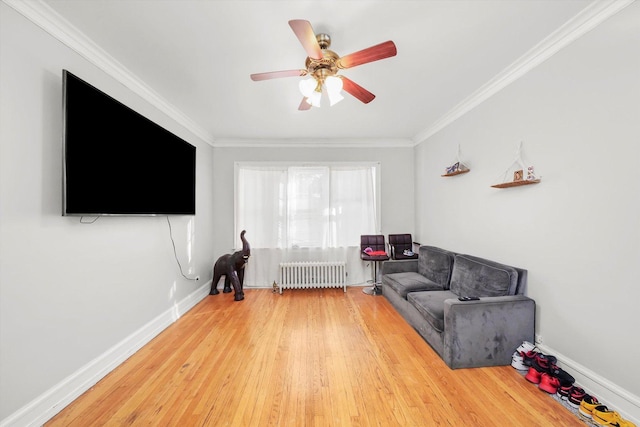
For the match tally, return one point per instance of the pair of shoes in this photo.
(603, 416)
(540, 373)
(538, 364)
(564, 391)
(545, 381)
(587, 406)
(575, 397)
(517, 359)
(546, 364)
(543, 362)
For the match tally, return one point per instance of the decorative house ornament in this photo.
(457, 168)
(517, 171)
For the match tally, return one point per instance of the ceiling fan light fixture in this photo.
(314, 98)
(307, 86)
(323, 64)
(334, 87)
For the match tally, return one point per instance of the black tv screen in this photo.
(117, 162)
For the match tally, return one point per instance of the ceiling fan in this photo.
(322, 65)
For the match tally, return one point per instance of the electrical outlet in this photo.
(539, 339)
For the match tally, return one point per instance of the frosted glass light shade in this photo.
(307, 87)
(314, 98)
(334, 87)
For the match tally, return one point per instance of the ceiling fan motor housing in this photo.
(327, 66)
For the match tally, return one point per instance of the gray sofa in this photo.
(465, 334)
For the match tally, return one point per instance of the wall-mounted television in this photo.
(118, 162)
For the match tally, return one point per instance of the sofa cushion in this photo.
(430, 304)
(478, 277)
(409, 281)
(435, 264)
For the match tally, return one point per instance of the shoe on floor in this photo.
(518, 363)
(549, 383)
(561, 374)
(576, 396)
(528, 357)
(601, 415)
(543, 362)
(533, 376)
(564, 390)
(587, 406)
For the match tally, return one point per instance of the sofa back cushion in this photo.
(478, 277)
(436, 264)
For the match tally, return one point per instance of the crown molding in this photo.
(50, 21)
(314, 143)
(46, 18)
(590, 17)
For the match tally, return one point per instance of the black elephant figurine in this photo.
(232, 267)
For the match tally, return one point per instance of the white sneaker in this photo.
(518, 362)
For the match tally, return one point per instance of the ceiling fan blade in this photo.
(277, 74)
(304, 105)
(356, 90)
(307, 37)
(370, 54)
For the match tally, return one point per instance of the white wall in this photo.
(397, 183)
(578, 231)
(70, 292)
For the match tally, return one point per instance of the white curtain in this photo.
(304, 213)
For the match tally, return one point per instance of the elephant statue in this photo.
(232, 267)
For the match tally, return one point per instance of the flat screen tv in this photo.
(117, 162)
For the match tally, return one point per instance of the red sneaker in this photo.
(549, 383)
(533, 376)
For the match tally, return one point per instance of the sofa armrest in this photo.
(399, 266)
(486, 332)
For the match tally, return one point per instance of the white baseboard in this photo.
(45, 406)
(614, 397)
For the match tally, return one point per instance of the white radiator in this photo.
(304, 275)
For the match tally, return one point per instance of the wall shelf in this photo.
(516, 183)
(457, 168)
(522, 175)
(458, 172)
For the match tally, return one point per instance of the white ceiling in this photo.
(197, 56)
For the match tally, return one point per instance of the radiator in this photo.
(304, 275)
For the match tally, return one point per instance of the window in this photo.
(306, 206)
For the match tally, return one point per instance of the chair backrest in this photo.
(399, 243)
(373, 241)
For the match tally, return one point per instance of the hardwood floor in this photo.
(305, 358)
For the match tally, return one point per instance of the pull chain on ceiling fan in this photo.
(322, 65)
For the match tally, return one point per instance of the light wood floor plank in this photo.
(315, 357)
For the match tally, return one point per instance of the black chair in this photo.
(375, 247)
(400, 245)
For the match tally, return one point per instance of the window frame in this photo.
(376, 165)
